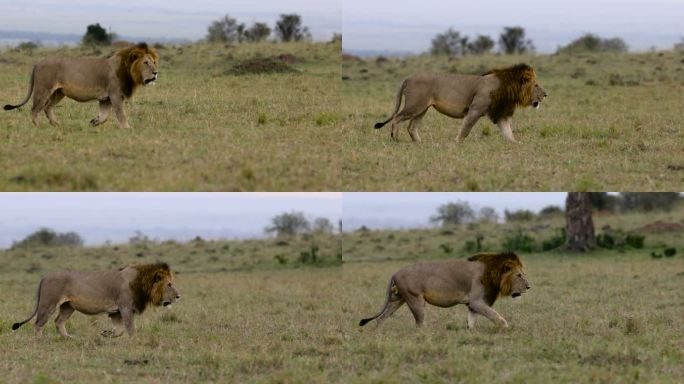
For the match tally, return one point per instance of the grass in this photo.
(201, 128)
(610, 123)
(244, 317)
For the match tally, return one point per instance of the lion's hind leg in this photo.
(391, 308)
(65, 311)
(41, 99)
(414, 124)
(45, 309)
(53, 100)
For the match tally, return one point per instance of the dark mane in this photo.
(496, 264)
(143, 286)
(515, 90)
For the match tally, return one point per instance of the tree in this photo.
(454, 214)
(551, 210)
(290, 28)
(96, 35)
(602, 201)
(679, 46)
(288, 224)
(322, 225)
(579, 226)
(449, 43)
(481, 45)
(648, 201)
(257, 32)
(512, 41)
(593, 43)
(226, 30)
(488, 214)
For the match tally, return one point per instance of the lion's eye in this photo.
(519, 274)
(169, 285)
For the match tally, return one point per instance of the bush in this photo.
(48, 238)
(454, 214)
(556, 241)
(593, 43)
(551, 210)
(620, 240)
(96, 35)
(446, 248)
(474, 245)
(519, 241)
(519, 215)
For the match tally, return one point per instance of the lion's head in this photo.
(503, 275)
(518, 87)
(139, 66)
(153, 284)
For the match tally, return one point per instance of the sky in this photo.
(409, 210)
(409, 26)
(180, 19)
(99, 217)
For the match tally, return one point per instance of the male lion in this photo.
(109, 81)
(496, 93)
(120, 293)
(476, 282)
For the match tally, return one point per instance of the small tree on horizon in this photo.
(289, 28)
(322, 225)
(512, 40)
(481, 45)
(226, 30)
(593, 43)
(257, 32)
(96, 35)
(449, 43)
(454, 214)
(488, 214)
(288, 224)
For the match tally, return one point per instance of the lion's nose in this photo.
(155, 73)
(177, 296)
(528, 286)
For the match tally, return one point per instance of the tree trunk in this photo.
(579, 227)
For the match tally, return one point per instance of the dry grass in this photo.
(611, 123)
(200, 128)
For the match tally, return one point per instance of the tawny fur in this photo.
(120, 293)
(110, 81)
(496, 93)
(476, 282)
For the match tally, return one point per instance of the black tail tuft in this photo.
(364, 322)
(377, 125)
(16, 326)
(8, 107)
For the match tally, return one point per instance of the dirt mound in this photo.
(661, 226)
(265, 65)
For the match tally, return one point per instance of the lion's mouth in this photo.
(151, 80)
(167, 303)
(536, 104)
(515, 294)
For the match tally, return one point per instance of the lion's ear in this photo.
(134, 55)
(157, 277)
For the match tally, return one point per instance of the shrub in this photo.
(49, 238)
(519, 241)
(556, 241)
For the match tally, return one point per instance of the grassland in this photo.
(610, 123)
(202, 127)
(244, 317)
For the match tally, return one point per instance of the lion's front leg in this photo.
(105, 109)
(117, 323)
(505, 127)
(117, 103)
(468, 122)
(127, 318)
(488, 312)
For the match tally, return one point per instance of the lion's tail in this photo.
(16, 326)
(9, 107)
(384, 308)
(400, 93)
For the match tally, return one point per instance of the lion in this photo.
(476, 282)
(496, 93)
(120, 293)
(110, 81)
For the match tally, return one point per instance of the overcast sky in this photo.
(408, 210)
(162, 18)
(99, 217)
(402, 25)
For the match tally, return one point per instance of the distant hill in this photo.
(12, 38)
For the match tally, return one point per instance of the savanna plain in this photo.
(230, 118)
(611, 123)
(262, 311)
